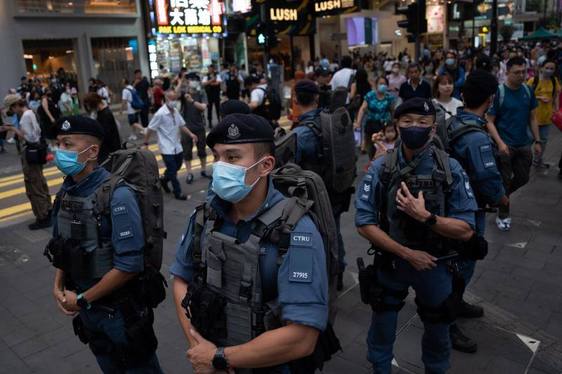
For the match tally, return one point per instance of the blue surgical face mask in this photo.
(67, 161)
(382, 88)
(229, 181)
(415, 137)
(450, 61)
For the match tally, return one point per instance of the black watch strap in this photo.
(219, 361)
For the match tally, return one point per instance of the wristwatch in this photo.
(537, 142)
(219, 361)
(432, 220)
(82, 302)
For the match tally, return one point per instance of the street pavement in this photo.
(518, 284)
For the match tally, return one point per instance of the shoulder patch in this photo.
(120, 210)
(303, 239)
(300, 266)
(125, 233)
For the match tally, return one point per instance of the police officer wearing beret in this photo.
(409, 205)
(98, 257)
(249, 307)
(470, 144)
(308, 156)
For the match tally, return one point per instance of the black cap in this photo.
(234, 106)
(306, 85)
(240, 128)
(79, 125)
(323, 72)
(415, 105)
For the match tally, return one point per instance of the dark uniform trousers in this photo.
(36, 189)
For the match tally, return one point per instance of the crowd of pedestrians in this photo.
(447, 138)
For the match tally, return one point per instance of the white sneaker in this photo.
(503, 224)
(11, 141)
(132, 137)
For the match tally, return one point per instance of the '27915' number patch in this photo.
(300, 265)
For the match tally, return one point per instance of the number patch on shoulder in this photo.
(300, 265)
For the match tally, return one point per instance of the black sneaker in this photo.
(180, 197)
(40, 224)
(460, 341)
(164, 184)
(204, 174)
(339, 285)
(189, 178)
(467, 310)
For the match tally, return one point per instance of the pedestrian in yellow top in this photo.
(547, 90)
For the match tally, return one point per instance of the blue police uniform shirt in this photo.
(460, 201)
(301, 281)
(475, 152)
(513, 117)
(308, 146)
(123, 227)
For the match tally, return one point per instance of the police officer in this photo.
(409, 203)
(307, 156)
(475, 152)
(231, 275)
(98, 258)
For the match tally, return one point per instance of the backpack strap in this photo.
(501, 88)
(276, 224)
(444, 166)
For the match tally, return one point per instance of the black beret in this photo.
(306, 85)
(240, 128)
(79, 125)
(415, 105)
(234, 106)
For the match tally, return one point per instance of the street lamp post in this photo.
(494, 28)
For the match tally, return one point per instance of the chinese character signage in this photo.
(189, 16)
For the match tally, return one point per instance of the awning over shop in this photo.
(540, 34)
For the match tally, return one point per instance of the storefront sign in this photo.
(435, 15)
(189, 16)
(324, 6)
(241, 6)
(280, 14)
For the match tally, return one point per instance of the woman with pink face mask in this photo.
(443, 95)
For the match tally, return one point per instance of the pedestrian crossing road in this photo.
(14, 204)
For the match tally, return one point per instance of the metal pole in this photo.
(494, 28)
(473, 23)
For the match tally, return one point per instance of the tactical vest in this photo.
(435, 187)
(78, 224)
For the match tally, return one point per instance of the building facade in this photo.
(86, 38)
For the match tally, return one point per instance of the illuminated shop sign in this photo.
(324, 6)
(283, 14)
(189, 16)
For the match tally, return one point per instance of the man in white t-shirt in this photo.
(343, 76)
(35, 184)
(132, 113)
(167, 123)
(258, 92)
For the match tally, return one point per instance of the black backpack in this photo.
(138, 169)
(271, 106)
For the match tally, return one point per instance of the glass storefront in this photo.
(44, 58)
(174, 52)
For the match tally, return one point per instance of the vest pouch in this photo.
(214, 270)
(206, 311)
(239, 324)
(77, 261)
